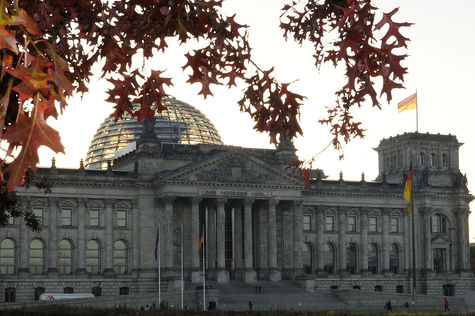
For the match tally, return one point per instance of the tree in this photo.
(48, 48)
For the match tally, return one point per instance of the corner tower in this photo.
(435, 159)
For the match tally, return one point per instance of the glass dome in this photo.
(179, 123)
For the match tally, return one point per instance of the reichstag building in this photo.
(260, 222)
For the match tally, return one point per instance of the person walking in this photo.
(389, 307)
(251, 304)
(446, 305)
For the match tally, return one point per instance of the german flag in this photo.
(409, 103)
(408, 190)
(200, 244)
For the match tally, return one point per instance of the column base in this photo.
(387, 272)
(250, 276)
(82, 273)
(53, 273)
(275, 275)
(196, 276)
(222, 276)
(24, 273)
(428, 273)
(343, 273)
(109, 273)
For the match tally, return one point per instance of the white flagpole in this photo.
(182, 282)
(204, 275)
(159, 277)
(417, 114)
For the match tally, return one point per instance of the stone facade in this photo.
(258, 219)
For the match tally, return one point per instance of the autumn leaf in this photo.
(33, 79)
(30, 132)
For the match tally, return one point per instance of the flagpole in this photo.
(417, 114)
(413, 241)
(204, 275)
(182, 282)
(159, 277)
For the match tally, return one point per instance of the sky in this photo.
(441, 67)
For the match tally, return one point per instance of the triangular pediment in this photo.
(440, 240)
(233, 166)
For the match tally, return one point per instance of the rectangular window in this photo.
(351, 223)
(121, 218)
(307, 222)
(39, 214)
(94, 217)
(10, 295)
(394, 225)
(329, 223)
(373, 224)
(66, 217)
(10, 220)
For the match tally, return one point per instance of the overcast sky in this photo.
(441, 68)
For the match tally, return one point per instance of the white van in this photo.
(64, 296)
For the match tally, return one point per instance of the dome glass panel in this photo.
(178, 123)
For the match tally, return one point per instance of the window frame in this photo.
(41, 217)
(332, 223)
(11, 254)
(42, 257)
(63, 217)
(119, 221)
(307, 226)
(90, 218)
(354, 219)
(370, 229)
(394, 221)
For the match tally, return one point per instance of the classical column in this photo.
(23, 247)
(109, 239)
(195, 239)
(223, 274)
(53, 238)
(169, 247)
(320, 243)
(211, 234)
(407, 242)
(250, 275)
(385, 245)
(81, 238)
(462, 239)
(298, 237)
(342, 239)
(426, 212)
(238, 249)
(136, 234)
(274, 274)
(364, 240)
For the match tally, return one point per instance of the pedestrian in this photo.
(147, 308)
(389, 307)
(406, 305)
(446, 305)
(251, 304)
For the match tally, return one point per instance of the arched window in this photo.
(373, 258)
(394, 259)
(120, 257)
(438, 224)
(93, 257)
(37, 257)
(307, 258)
(421, 159)
(351, 258)
(329, 258)
(7, 256)
(65, 257)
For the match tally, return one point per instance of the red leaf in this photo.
(30, 132)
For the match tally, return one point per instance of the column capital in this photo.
(462, 211)
(220, 202)
(109, 202)
(273, 202)
(168, 199)
(196, 199)
(248, 202)
(82, 202)
(298, 203)
(425, 210)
